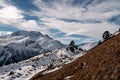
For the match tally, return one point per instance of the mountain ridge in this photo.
(22, 45)
(99, 63)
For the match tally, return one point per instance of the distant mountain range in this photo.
(22, 45)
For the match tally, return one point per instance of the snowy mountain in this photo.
(4, 33)
(26, 69)
(46, 62)
(22, 45)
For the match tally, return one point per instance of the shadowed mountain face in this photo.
(100, 63)
(23, 45)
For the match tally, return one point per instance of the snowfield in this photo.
(26, 69)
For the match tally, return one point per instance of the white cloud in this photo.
(63, 9)
(58, 9)
(3, 3)
(106, 5)
(89, 29)
(10, 13)
(52, 12)
(13, 17)
(31, 25)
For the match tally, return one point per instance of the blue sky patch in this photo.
(6, 28)
(24, 5)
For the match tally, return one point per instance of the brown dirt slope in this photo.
(99, 63)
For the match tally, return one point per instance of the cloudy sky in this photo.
(64, 20)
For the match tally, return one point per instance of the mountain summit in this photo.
(28, 33)
(22, 45)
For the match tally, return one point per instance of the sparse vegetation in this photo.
(100, 63)
(106, 35)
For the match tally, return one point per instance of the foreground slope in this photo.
(99, 63)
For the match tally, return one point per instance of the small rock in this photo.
(82, 65)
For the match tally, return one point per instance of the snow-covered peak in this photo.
(22, 45)
(4, 33)
(27, 33)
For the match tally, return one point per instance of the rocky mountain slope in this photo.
(100, 63)
(22, 45)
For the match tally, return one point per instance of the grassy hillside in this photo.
(99, 63)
